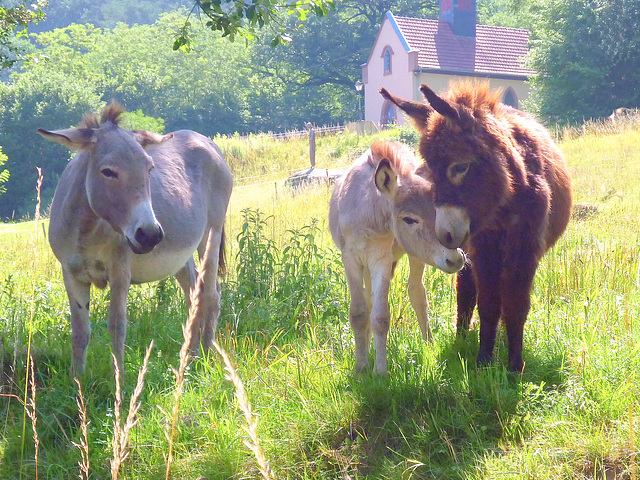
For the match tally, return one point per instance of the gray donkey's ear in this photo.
(146, 139)
(73, 138)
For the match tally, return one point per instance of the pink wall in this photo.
(399, 82)
(404, 79)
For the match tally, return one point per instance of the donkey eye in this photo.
(107, 172)
(459, 169)
(409, 220)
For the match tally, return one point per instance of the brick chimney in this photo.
(461, 15)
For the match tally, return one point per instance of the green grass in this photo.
(284, 323)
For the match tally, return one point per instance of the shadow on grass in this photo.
(437, 413)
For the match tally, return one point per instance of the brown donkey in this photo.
(502, 192)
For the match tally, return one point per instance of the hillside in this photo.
(572, 414)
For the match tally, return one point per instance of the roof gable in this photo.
(494, 50)
(392, 22)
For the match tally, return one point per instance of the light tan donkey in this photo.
(380, 210)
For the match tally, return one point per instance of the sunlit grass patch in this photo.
(284, 324)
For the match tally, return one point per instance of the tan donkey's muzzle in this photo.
(453, 261)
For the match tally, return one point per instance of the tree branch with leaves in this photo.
(15, 15)
(243, 18)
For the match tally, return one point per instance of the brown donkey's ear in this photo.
(439, 105)
(418, 112)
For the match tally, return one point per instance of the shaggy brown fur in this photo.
(502, 170)
(111, 113)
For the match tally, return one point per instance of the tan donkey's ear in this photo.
(386, 179)
(73, 138)
(418, 112)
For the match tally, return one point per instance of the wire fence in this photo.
(319, 131)
(283, 175)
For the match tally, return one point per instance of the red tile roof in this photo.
(494, 51)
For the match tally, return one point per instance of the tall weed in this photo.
(280, 287)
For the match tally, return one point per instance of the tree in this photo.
(32, 101)
(80, 68)
(244, 17)
(104, 13)
(586, 56)
(16, 16)
(205, 90)
(507, 13)
(312, 77)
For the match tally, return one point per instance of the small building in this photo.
(411, 51)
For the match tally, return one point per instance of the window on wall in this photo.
(510, 98)
(387, 61)
(462, 4)
(446, 5)
(388, 114)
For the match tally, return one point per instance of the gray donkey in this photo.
(133, 207)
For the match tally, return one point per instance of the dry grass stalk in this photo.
(632, 445)
(28, 379)
(83, 446)
(187, 329)
(187, 332)
(121, 432)
(252, 424)
(30, 408)
(116, 462)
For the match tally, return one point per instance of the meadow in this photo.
(572, 414)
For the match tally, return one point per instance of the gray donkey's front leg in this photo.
(120, 280)
(79, 299)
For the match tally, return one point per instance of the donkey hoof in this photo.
(484, 359)
(516, 366)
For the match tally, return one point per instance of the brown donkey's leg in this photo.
(516, 294)
(524, 247)
(466, 298)
(487, 268)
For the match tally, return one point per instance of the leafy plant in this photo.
(257, 257)
(4, 174)
(15, 16)
(283, 288)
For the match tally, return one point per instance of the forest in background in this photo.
(87, 54)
